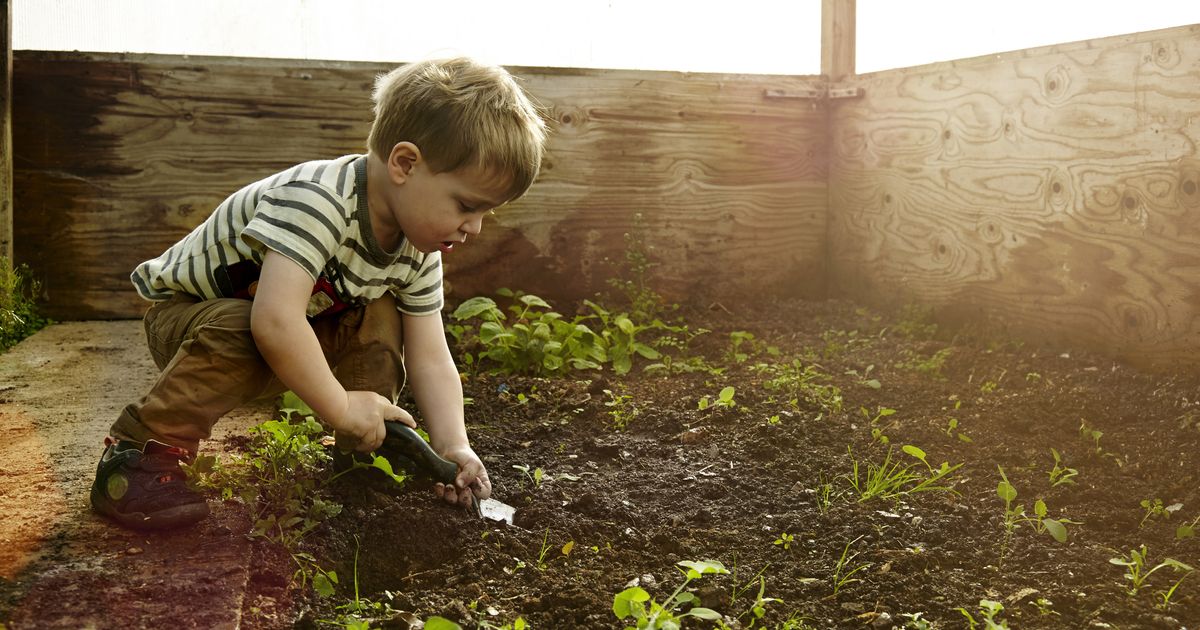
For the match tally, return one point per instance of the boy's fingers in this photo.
(402, 416)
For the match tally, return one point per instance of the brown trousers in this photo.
(211, 365)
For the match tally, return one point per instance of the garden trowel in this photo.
(404, 441)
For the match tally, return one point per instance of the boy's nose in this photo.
(474, 226)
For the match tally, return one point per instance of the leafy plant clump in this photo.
(892, 479)
(634, 602)
(531, 339)
(284, 479)
(19, 316)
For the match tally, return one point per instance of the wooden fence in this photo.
(1051, 193)
(117, 157)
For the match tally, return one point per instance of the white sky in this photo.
(753, 36)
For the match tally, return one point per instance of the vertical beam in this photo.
(837, 39)
(6, 162)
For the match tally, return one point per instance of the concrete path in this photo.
(61, 566)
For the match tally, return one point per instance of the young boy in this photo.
(326, 279)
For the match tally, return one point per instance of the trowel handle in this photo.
(404, 440)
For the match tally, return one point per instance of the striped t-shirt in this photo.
(316, 215)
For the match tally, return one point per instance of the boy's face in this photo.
(437, 211)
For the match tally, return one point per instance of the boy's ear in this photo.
(403, 158)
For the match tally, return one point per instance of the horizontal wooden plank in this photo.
(120, 155)
(1053, 193)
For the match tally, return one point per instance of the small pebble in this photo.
(133, 551)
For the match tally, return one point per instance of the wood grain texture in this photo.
(119, 156)
(839, 32)
(1054, 193)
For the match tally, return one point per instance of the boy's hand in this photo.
(472, 481)
(361, 426)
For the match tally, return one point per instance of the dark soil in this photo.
(681, 483)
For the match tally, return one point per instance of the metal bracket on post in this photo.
(820, 92)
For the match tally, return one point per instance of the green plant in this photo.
(1187, 530)
(648, 614)
(931, 366)
(915, 322)
(891, 479)
(801, 381)
(842, 572)
(785, 540)
(534, 476)
(824, 494)
(737, 339)
(1090, 434)
(620, 408)
(645, 304)
(539, 342)
(1032, 377)
(1044, 607)
(873, 422)
(951, 430)
(1061, 475)
(1014, 515)
(1154, 509)
(283, 478)
(19, 316)
(988, 611)
(1138, 576)
(863, 379)
(359, 612)
(724, 399)
(916, 621)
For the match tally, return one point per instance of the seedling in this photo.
(648, 614)
(1091, 434)
(891, 480)
(1061, 475)
(952, 430)
(931, 366)
(1187, 530)
(1015, 515)
(785, 540)
(988, 612)
(1154, 509)
(1138, 576)
(863, 379)
(1032, 377)
(724, 400)
(1045, 607)
(799, 381)
(842, 576)
(738, 338)
(916, 621)
(620, 409)
(535, 476)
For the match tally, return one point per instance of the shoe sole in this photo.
(178, 516)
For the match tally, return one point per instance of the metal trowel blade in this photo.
(494, 510)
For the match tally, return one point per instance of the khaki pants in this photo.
(210, 364)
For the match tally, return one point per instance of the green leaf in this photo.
(873, 383)
(1039, 508)
(625, 325)
(627, 602)
(533, 300)
(489, 331)
(322, 585)
(475, 307)
(704, 613)
(914, 451)
(1006, 491)
(1185, 531)
(726, 394)
(703, 567)
(440, 623)
(647, 352)
(1056, 529)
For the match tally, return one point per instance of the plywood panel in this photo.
(1052, 192)
(120, 156)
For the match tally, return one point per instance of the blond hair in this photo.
(460, 113)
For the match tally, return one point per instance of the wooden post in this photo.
(837, 39)
(6, 162)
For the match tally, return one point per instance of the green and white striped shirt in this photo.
(316, 215)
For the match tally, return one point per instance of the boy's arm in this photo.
(289, 345)
(438, 392)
